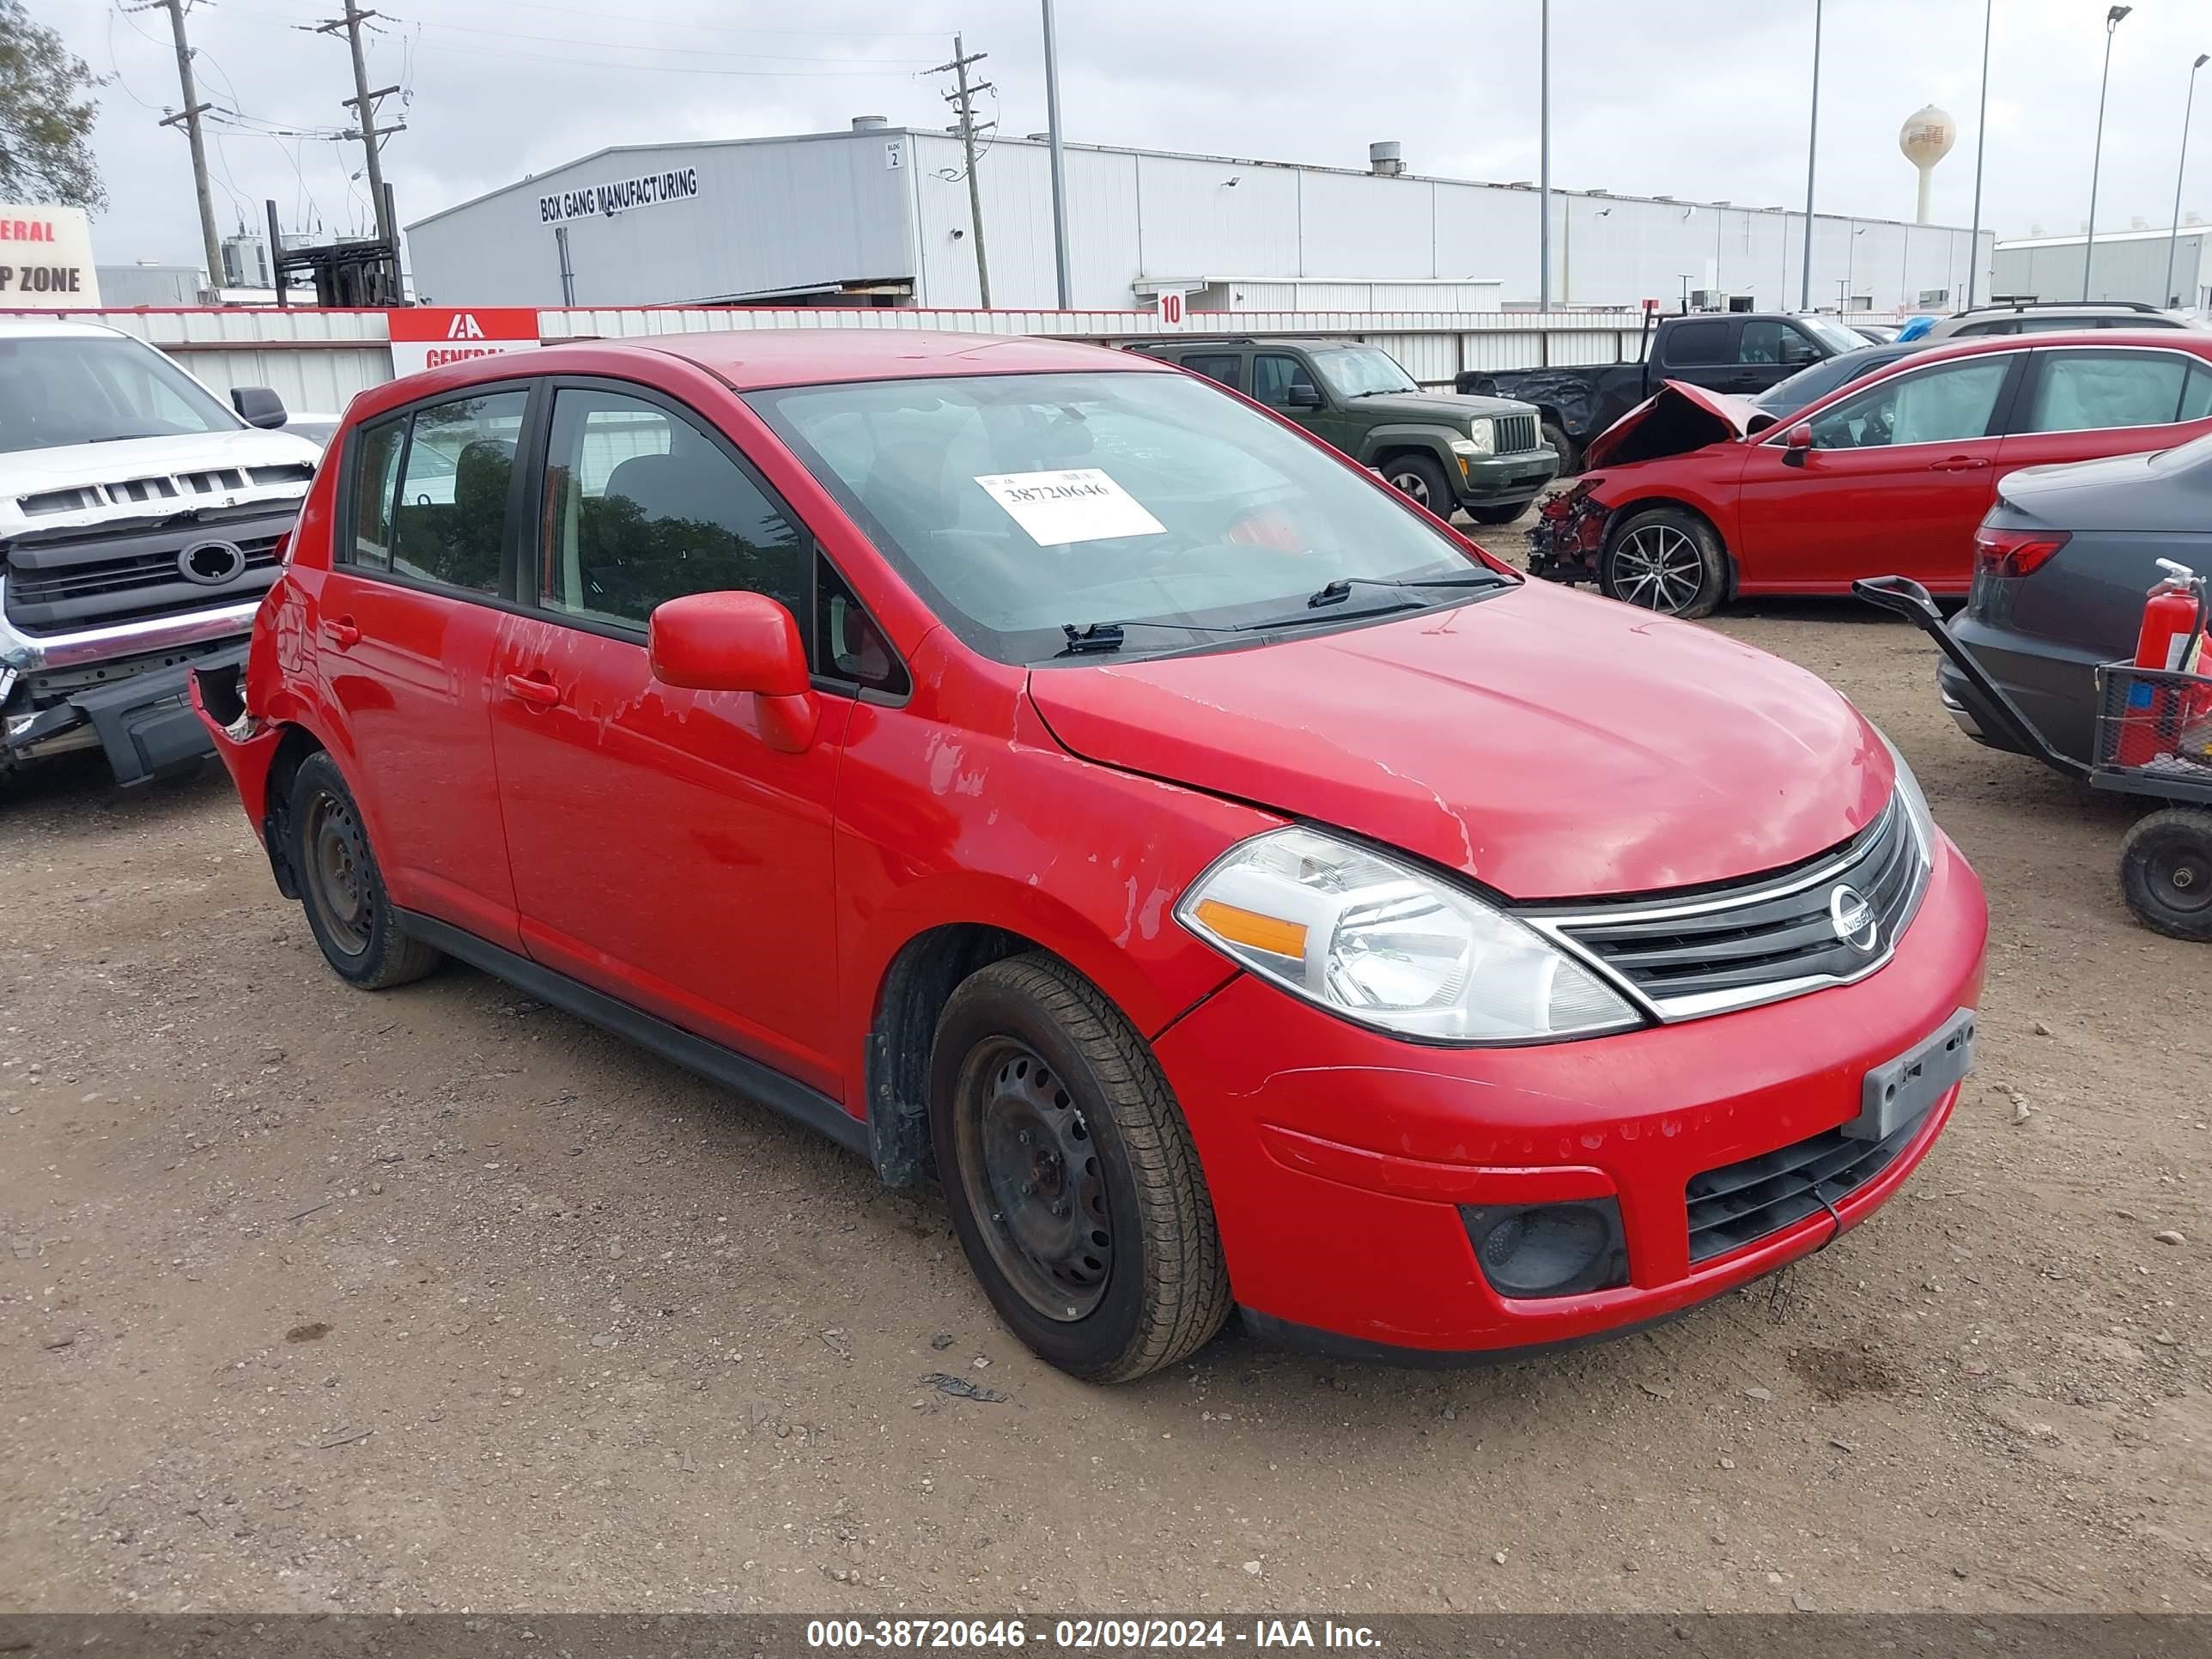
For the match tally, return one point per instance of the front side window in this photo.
(1936, 405)
(1274, 376)
(1019, 505)
(77, 389)
(450, 524)
(2086, 390)
(1765, 342)
(1361, 372)
(641, 506)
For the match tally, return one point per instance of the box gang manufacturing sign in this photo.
(46, 258)
(605, 201)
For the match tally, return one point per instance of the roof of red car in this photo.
(2196, 340)
(750, 358)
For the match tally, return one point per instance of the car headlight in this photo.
(1482, 432)
(1392, 947)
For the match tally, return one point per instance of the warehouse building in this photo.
(2125, 265)
(879, 214)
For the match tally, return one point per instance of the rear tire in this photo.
(1666, 560)
(1419, 477)
(1497, 512)
(341, 888)
(1070, 1174)
(1570, 456)
(2166, 872)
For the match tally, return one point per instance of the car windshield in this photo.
(1018, 505)
(1786, 396)
(87, 390)
(1360, 371)
(1831, 333)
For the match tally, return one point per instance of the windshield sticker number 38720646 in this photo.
(1083, 504)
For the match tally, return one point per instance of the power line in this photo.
(363, 104)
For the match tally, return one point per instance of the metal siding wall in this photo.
(1355, 225)
(1487, 234)
(315, 361)
(1195, 224)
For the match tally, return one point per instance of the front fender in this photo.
(1408, 434)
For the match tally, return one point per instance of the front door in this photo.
(663, 851)
(405, 627)
(1898, 477)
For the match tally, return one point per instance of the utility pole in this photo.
(362, 103)
(189, 119)
(2112, 21)
(1812, 155)
(2180, 171)
(1058, 165)
(963, 105)
(1981, 134)
(1544, 156)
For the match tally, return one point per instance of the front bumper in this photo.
(1504, 480)
(1337, 1156)
(143, 722)
(1569, 534)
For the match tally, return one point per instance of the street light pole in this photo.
(1059, 167)
(1981, 135)
(2097, 155)
(2173, 243)
(1812, 153)
(1544, 157)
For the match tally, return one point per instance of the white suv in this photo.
(2044, 316)
(140, 523)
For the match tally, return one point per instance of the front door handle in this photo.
(1958, 464)
(538, 694)
(341, 632)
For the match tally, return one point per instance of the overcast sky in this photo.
(1705, 101)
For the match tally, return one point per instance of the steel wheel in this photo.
(1032, 1177)
(2166, 872)
(1659, 566)
(1409, 482)
(338, 871)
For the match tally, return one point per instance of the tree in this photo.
(47, 112)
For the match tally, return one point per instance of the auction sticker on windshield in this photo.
(1058, 507)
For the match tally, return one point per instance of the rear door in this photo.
(1900, 474)
(2083, 402)
(1226, 367)
(664, 852)
(406, 621)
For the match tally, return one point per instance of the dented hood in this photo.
(1549, 744)
(1675, 420)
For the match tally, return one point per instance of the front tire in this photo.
(1070, 1174)
(1420, 476)
(1665, 559)
(341, 888)
(1497, 512)
(2166, 872)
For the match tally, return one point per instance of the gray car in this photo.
(2062, 564)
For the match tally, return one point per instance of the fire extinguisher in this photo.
(2171, 640)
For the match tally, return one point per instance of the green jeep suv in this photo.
(1482, 454)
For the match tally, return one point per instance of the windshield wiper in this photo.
(1340, 589)
(1107, 635)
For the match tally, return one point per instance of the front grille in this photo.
(1760, 940)
(61, 581)
(1516, 432)
(1740, 1203)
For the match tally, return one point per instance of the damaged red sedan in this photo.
(1693, 497)
(1046, 773)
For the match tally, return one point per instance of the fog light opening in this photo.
(1548, 1249)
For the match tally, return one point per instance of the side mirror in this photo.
(1305, 394)
(738, 642)
(1797, 445)
(258, 405)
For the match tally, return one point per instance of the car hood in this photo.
(1551, 744)
(131, 477)
(1673, 421)
(1451, 408)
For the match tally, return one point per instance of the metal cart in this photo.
(2153, 740)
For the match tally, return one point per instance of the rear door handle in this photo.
(538, 694)
(341, 633)
(1958, 464)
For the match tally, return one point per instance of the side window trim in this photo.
(2044, 355)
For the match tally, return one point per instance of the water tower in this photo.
(1926, 138)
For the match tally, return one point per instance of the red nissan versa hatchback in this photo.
(1039, 768)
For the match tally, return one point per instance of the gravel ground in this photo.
(312, 1300)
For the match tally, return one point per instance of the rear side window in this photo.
(449, 523)
(1699, 343)
(2089, 391)
(2196, 395)
(643, 506)
(2000, 326)
(1216, 366)
(375, 453)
